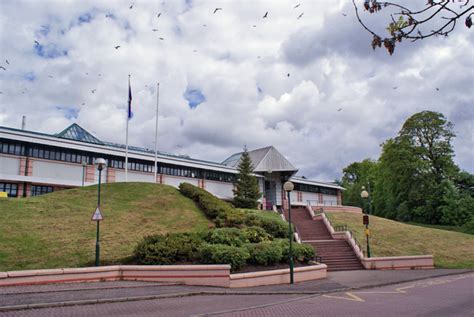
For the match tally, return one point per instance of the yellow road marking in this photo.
(350, 297)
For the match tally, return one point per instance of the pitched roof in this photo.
(263, 160)
(77, 133)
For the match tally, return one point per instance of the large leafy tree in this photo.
(246, 192)
(414, 20)
(356, 175)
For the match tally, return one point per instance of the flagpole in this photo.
(126, 135)
(156, 129)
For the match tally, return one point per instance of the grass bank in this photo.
(391, 238)
(55, 230)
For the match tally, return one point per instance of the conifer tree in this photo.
(246, 192)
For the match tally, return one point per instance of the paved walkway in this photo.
(21, 297)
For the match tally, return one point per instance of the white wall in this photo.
(175, 181)
(133, 176)
(330, 200)
(57, 170)
(9, 165)
(219, 189)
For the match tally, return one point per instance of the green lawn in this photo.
(391, 238)
(55, 230)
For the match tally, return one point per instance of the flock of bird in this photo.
(158, 15)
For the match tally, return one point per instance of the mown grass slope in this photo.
(390, 238)
(55, 230)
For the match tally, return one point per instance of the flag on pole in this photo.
(130, 114)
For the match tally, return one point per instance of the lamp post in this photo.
(84, 164)
(100, 163)
(288, 187)
(364, 194)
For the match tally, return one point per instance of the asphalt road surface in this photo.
(441, 296)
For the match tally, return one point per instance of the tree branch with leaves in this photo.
(441, 18)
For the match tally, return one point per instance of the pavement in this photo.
(37, 298)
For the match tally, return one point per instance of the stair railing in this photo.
(346, 228)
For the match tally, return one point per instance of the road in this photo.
(439, 296)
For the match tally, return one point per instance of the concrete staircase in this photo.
(336, 254)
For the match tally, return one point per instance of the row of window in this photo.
(73, 156)
(40, 190)
(10, 189)
(315, 189)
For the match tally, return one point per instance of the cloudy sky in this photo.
(309, 84)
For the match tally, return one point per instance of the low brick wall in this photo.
(205, 275)
(399, 262)
(208, 275)
(274, 277)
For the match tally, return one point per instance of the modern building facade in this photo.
(33, 163)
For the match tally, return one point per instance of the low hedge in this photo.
(168, 249)
(223, 254)
(265, 253)
(301, 252)
(228, 236)
(256, 234)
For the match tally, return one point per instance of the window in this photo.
(315, 189)
(10, 189)
(40, 190)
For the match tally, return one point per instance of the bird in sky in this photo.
(93, 90)
(117, 47)
(131, 7)
(50, 76)
(204, 25)
(37, 43)
(195, 50)
(288, 75)
(340, 109)
(296, 6)
(394, 87)
(299, 16)
(99, 75)
(254, 26)
(82, 104)
(154, 30)
(87, 73)
(344, 14)
(158, 15)
(162, 39)
(7, 61)
(265, 15)
(437, 89)
(216, 9)
(1, 92)
(3, 68)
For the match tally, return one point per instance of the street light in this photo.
(100, 163)
(288, 187)
(84, 164)
(364, 194)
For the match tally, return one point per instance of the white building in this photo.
(33, 163)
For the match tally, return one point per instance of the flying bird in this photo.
(299, 16)
(117, 47)
(7, 61)
(158, 15)
(37, 43)
(82, 104)
(437, 89)
(3, 68)
(340, 109)
(296, 6)
(50, 76)
(93, 90)
(288, 75)
(204, 25)
(344, 14)
(87, 73)
(195, 50)
(99, 75)
(131, 7)
(216, 9)
(254, 26)
(394, 87)
(162, 39)
(154, 30)
(265, 15)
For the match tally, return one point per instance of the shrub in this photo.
(301, 252)
(265, 253)
(228, 236)
(468, 227)
(277, 228)
(223, 254)
(256, 234)
(167, 249)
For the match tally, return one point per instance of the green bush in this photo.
(301, 252)
(265, 253)
(168, 249)
(223, 254)
(468, 227)
(228, 236)
(256, 234)
(277, 228)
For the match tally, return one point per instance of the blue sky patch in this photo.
(194, 97)
(69, 112)
(49, 50)
(30, 76)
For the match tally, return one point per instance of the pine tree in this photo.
(246, 192)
